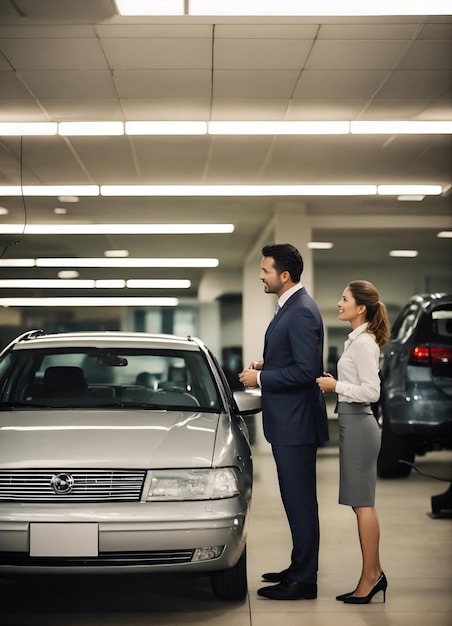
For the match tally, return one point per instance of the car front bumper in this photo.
(141, 537)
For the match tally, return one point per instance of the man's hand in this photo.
(248, 377)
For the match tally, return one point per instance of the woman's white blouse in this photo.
(358, 379)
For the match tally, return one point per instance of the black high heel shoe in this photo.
(380, 585)
(342, 596)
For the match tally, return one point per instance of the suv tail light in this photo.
(425, 355)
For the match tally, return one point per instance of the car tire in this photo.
(394, 448)
(231, 584)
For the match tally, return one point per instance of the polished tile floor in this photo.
(416, 554)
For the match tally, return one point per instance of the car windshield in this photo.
(84, 378)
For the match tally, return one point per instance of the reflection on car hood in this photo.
(106, 439)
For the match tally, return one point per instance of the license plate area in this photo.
(64, 540)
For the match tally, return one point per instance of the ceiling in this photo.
(78, 60)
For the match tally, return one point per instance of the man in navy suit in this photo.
(294, 414)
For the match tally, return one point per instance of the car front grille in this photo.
(71, 485)
(105, 559)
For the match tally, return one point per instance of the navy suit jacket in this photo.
(293, 407)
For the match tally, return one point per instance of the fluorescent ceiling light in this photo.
(403, 253)
(278, 128)
(150, 7)
(68, 274)
(251, 127)
(320, 245)
(411, 198)
(117, 229)
(319, 7)
(166, 128)
(111, 283)
(87, 302)
(28, 128)
(401, 127)
(238, 190)
(50, 190)
(44, 283)
(90, 128)
(222, 190)
(104, 262)
(145, 283)
(17, 263)
(445, 234)
(128, 262)
(397, 190)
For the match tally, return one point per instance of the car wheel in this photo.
(394, 449)
(231, 584)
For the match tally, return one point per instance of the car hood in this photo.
(106, 439)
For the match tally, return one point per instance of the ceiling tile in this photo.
(354, 55)
(265, 54)
(55, 54)
(77, 84)
(338, 84)
(163, 84)
(151, 54)
(254, 84)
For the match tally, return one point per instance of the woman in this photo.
(358, 386)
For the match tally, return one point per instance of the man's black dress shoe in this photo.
(275, 577)
(289, 590)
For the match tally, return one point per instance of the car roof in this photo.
(431, 298)
(105, 339)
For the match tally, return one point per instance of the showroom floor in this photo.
(416, 555)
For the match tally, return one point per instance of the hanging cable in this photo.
(24, 204)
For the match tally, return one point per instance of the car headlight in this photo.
(193, 484)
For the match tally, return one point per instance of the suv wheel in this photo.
(394, 449)
(231, 584)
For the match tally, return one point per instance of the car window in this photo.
(441, 324)
(405, 322)
(87, 377)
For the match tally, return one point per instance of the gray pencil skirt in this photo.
(359, 445)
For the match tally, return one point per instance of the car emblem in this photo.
(62, 483)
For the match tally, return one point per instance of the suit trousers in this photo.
(296, 467)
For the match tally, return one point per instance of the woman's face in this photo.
(349, 311)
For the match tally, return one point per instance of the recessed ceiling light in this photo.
(3, 210)
(116, 253)
(411, 198)
(69, 199)
(59, 210)
(68, 274)
(445, 234)
(320, 245)
(404, 253)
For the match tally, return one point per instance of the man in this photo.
(294, 413)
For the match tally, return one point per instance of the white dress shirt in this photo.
(358, 379)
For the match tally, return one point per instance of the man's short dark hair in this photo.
(286, 259)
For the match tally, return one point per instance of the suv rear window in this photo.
(441, 324)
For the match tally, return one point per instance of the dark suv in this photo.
(416, 374)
